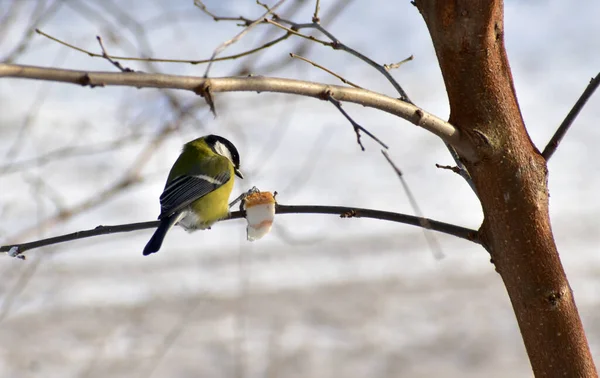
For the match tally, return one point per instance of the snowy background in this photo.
(319, 296)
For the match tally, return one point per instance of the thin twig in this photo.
(334, 11)
(357, 128)
(294, 31)
(435, 247)
(165, 60)
(326, 70)
(393, 66)
(239, 36)
(461, 169)
(454, 169)
(342, 211)
(315, 17)
(336, 44)
(264, 6)
(112, 61)
(204, 9)
(566, 124)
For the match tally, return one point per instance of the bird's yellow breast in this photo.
(209, 209)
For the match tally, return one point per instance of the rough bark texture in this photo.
(511, 180)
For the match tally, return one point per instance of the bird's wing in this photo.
(183, 190)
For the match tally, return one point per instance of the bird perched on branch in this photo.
(197, 191)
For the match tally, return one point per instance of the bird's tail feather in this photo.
(159, 235)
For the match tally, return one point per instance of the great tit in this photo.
(197, 191)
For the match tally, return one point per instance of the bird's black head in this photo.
(225, 148)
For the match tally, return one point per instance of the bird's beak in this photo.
(238, 173)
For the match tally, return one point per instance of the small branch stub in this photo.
(203, 90)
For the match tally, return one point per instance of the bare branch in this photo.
(566, 124)
(454, 169)
(336, 44)
(294, 31)
(357, 128)
(165, 60)
(107, 57)
(315, 17)
(341, 211)
(435, 247)
(333, 12)
(239, 36)
(402, 109)
(204, 9)
(393, 66)
(325, 69)
(264, 6)
(461, 169)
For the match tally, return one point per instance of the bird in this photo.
(196, 194)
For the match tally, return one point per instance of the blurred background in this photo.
(319, 296)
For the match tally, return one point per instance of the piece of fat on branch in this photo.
(260, 212)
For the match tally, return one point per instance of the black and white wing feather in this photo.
(184, 190)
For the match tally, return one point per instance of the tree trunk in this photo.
(510, 176)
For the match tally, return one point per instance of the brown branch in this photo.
(204, 9)
(111, 60)
(393, 66)
(511, 181)
(460, 166)
(294, 31)
(166, 60)
(357, 128)
(402, 109)
(333, 12)
(341, 211)
(315, 17)
(336, 44)
(343, 80)
(454, 169)
(568, 121)
(239, 36)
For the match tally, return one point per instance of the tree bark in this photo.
(510, 176)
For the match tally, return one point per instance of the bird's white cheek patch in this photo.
(222, 150)
(260, 213)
